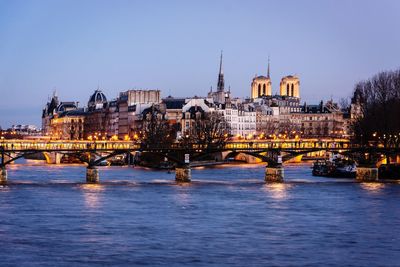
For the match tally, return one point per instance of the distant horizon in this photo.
(174, 46)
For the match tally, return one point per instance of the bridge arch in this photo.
(241, 156)
(174, 158)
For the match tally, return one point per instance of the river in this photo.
(227, 216)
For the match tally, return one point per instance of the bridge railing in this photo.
(23, 145)
(291, 144)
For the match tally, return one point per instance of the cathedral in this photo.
(261, 86)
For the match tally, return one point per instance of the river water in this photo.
(226, 217)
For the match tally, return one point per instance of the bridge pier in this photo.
(367, 174)
(53, 157)
(274, 174)
(92, 175)
(3, 174)
(183, 173)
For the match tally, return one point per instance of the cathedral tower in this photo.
(261, 85)
(290, 86)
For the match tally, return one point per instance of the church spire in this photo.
(220, 85)
(220, 65)
(268, 69)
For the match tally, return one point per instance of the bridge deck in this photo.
(68, 145)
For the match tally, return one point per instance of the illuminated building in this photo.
(261, 86)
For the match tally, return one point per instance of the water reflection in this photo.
(182, 195)
(4, 188)
(278, 191)
(92, 194)
(372, 187)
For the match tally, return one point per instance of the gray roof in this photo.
(174, 103)
(72, 113)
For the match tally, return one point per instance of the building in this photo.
(25, 129)
(267, 120)
(323, 120)
(48, 112)
(261, 86)
(112, 118)
(131, 104)
(274, 112)
(63, 120)
(68, 125)
(173, 109)
(290, 86)
(135, 97)
(283, 116)
(95, 116)
(264, 114)
(123, 126)
(193, 110)
(173, 113)
(246, 125)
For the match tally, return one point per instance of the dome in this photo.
(97, 100)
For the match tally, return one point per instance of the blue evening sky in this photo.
(174, 46)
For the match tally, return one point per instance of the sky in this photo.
(75, 47)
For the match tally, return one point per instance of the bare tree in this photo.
(209, 129)
(288, 128)
(378, 103)
(155, 129)
(344, 104)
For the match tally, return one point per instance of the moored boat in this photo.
(335, 167)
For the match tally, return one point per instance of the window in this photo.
(292, 89)
(259, 89)
(264, 92)
(287, 89)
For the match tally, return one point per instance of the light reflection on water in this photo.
(92, 194)
(4, 188)
(278, 191)
(372, 187)
(228, 216)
